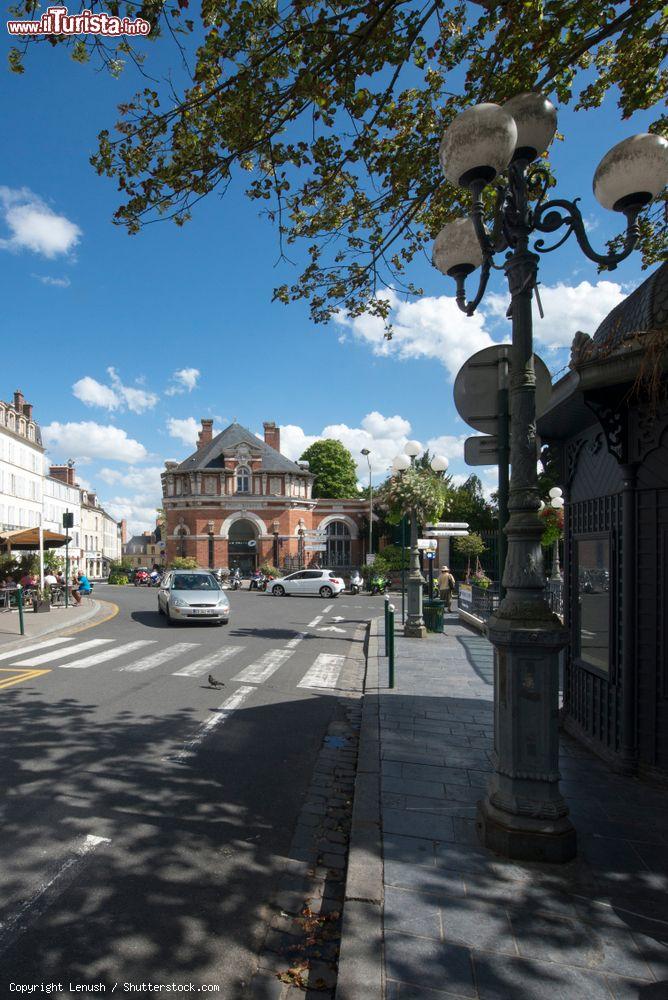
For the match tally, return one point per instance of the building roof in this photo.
(642, 313)
(212, 455)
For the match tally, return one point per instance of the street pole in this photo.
(504, 461)
(403, 569)
(415, 627)
(367, 455)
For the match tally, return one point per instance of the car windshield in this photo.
(194, 581)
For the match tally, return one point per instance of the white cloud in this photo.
(145, 479)
(115, 396)
(567, 308)
(87, 440)
(53, 282)
(183, 380)
(185, 430)
(138, 510)
(431, 327)
(34, 226)
(384, 436)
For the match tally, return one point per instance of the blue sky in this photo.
(97, 323)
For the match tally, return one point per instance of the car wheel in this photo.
(326, 592)
(160, 611)
(278, 591)
(170, 620)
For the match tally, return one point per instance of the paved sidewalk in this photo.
(431, 914)
(39, 626)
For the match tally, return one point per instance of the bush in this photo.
(271, 571)
(390, 558)
(183, 562)
(118, 579)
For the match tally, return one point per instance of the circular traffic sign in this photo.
(477, 385)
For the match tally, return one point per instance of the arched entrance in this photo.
(242, 546)
(338, 545)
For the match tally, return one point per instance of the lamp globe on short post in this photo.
(557, 503)
(523, 814)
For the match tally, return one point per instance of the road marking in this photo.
(267, 665)
(102, 621)
(17, 676)
(324, 673)
(338, 618)
(34, 647)
(59, 654)
(220, 716)
(48, 892)
(316, 621)
(328, 608)
(160, 656)
(107, 654)
(332, 628)
(200, 667)
(297, 639)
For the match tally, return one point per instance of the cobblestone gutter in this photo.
(300, 956)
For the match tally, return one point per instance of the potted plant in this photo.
(41, 599)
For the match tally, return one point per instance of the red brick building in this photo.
(236, 501)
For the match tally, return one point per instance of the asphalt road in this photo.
(145, 814)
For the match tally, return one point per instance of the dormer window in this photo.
(243, 479)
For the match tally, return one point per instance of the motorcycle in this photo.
(262, 583)
(235, 582)
(356, 584)
(378, 585)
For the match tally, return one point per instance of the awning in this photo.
(27, 539)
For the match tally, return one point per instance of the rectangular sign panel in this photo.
(315, 548)
(427, 543)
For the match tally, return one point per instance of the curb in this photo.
(97, 607)
(361, 954)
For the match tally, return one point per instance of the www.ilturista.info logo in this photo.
(57, 21)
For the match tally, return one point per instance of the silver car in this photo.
(192, 595)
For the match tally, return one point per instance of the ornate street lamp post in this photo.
(523, 814)
(557, 503)
(414, 627)
(367, 455)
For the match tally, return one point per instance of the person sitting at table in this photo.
(28, 580)
(50, 580)
(83, 587)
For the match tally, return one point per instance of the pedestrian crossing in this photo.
(144, 655)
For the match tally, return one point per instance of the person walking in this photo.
(446, 585)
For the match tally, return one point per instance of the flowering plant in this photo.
(553, 525)
(480, 579)
(416, 490)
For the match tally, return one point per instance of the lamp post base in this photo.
(524, 839)
(415, 630)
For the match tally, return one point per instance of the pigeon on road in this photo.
(214, 683)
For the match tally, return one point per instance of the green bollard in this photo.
(19, 604)
(390, 653)
(387, 625)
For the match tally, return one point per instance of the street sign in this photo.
(482, 450)
(440, 525)
(427, 543)
(315, 534)
(315, 548)
(477, 385)
(453, 533)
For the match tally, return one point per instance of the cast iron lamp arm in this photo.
(490, 243)
(460, 295)
(552, 215)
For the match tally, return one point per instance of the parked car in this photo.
(308, 581)
(192, 595)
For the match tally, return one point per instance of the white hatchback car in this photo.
(308, 582)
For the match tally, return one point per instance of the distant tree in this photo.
(471, 546)
(334, 469)
(467, 503)
(52, 562)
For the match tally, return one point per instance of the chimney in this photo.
(272, 435)
(205, 436)
(124, 531)
(65, 473)
(27, 411)
(18, 401)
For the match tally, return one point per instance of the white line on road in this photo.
(59, 654)
(32, 908)
(316, 621)
(324, 673)
(34, 647)
(328, 608)
(107, 654)
(160, 656)
(297, 639)
(220, 716)
(202, 666)
(267, 665)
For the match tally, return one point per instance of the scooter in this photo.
(356, 584)
(235, 582)
(378, 585)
